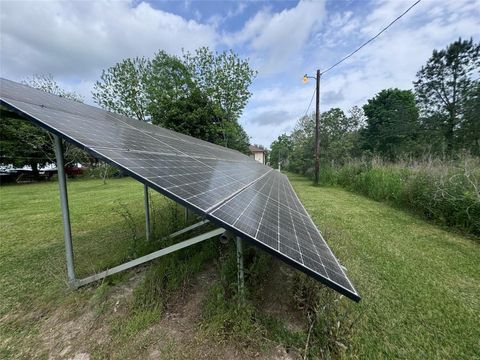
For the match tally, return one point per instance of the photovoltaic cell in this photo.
(242, 195)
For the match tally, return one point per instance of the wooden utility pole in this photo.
(317, 132)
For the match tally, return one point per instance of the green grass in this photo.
(32, 250)
(32, 258)
(420, 284)
(446, 192)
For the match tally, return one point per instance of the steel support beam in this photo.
(146, 201)
(67, 232)
(187, 229)
(149, 257)
(240, 274)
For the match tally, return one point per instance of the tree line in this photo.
(439, 117)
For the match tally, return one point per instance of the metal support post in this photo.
(147, 212)
(67, 232)
(186, 216)
(240, 275)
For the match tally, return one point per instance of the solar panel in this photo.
(229, 188)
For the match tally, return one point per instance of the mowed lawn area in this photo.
(32, 255)
(420, 284)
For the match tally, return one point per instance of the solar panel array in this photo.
(231, 189)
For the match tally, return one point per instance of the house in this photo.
(258, 152)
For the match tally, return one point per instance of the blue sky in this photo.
(74, 41)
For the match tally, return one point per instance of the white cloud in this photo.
(275, 40)
(78, 39)
(392, 60)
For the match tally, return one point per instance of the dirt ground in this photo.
(76, 332)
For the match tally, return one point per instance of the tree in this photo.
(280, 151)
(338, 134)
(469, 133)
(122, 88)
(207, 89)
(301, 158)
(188, 115)
(392, 123)
(22, 143)
(444, 85)
(48, 84)
(224, 77)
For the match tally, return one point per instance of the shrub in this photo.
(446, 192)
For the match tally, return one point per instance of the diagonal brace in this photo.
(149, 257)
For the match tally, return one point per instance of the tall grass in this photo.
(447, 192)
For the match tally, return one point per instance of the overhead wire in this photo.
(311, 100)
(371, 39)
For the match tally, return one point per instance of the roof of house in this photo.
(254, 148)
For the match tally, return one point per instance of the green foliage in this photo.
(444, 192)
(223, 77)
(200, 94)
(22, 143)
(392, 123)
(338, 140)
(229, 318)
(330, 321)
(227, 314)
(47, 83)
(280, 151)
(122, 88)
(193, 115)
(469, 133)
(445, 124)
(445, 90)
(339, 134)
(170, 276)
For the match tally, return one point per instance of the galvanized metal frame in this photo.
(146, 201)
(67, 232)
(149, 257)
(240, 273)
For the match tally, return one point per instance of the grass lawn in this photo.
(420, 284)
(32, 257)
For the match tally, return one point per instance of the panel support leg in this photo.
(67, 232)
(240, 275)
(186, 216)
(147, 212)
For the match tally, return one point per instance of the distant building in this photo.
(258, 153)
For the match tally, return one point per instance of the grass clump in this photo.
(330, 321)
(226, 313)
(136, 322)
(445, 192)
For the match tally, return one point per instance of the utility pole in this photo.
(317, 130)
(317, 121)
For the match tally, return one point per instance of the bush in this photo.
(446, 192)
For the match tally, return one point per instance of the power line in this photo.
(308, 108)
(373, 38)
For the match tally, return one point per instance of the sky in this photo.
(75, 40)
